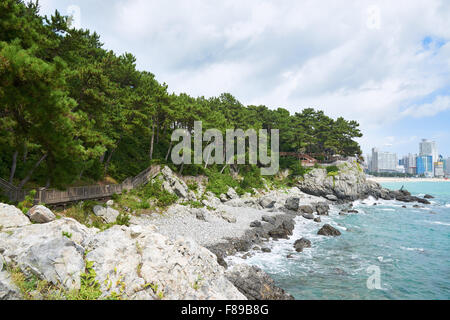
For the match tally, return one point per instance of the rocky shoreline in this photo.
(180, 254)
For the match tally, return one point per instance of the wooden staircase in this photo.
(52, 196)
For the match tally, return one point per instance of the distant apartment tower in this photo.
(424, 165)
(410, 163)
(428, 148)
(384, 161)
(368, 162)
(447, 167)
(439, 169)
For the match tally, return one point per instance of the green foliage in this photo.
(251, 179)
(332, 169)
(193, 186)
(166, 199)
(88, 206)
(28, 202)
(360, 169)
(115, 197)
(299, 170)
(123, 219)
(31, 287)
(155, 289)
(220, 183)
(198, 283)
(90, 287)
(103, 117)
(144, 205)
(193, 204)
(154, 190)
(333, 173)
(67, 234)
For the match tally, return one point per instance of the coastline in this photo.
(398, 179)
(200, 239)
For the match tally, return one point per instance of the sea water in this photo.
(385, 251)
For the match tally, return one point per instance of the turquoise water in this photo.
(409, 247)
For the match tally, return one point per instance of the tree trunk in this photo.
(168, 151)
(13, 166)
(181, 169)
(152, 142)
(207, 160)
(47, 184)
(30, 173)
(102, 157)
(25, 153)
(111, 154)
(223, 169)
(157, 131)
(109, 160)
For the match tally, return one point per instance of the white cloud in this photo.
(441, 103)
(340, 57)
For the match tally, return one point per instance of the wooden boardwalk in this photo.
(53, 196)
(307, 161)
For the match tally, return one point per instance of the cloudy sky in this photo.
(385, 64)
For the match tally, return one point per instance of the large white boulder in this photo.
(150, 266)
(52, 251)
(173, 184)
(11, 217)
(180, 189)
(58, 260)
(109, 215)
(41, 214)
(232, 194)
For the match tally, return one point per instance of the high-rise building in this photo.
(368, 163)
(447, 167)
(424, 165)
(439, 169)
(409, 162)
(428, 148)
(384, 161)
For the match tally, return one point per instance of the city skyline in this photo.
(417, 152)
(426, 161)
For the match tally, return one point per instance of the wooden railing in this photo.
(306, 160)
(52, 196)
(10, 191)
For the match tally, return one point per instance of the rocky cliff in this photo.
(71, 260)
(349, 183)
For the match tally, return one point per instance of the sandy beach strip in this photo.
(398, 179)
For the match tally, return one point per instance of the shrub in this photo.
(193, 204)
(299, 170)
(143, 205)
(166, 199)
(88, 206)
(90, 287)
(28, 202)
(150, 190)
(332, 169)
(193, 186)
(252, 179)
(220, 183)
(115, 197)
(123, 219)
